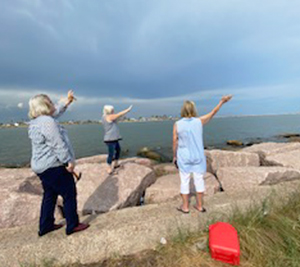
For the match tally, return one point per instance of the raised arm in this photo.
(113, 117)
(206, 118)
(175, 142)
(62, 107)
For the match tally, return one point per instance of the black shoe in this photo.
(79, 227)
(55, 227)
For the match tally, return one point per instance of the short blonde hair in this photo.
(108, 109)
(39, 105)
(188, 109)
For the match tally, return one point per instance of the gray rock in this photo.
(165, 168)
(168, 187)
(151, 154)
(124, 232)
(93, 159)
(218, 159)
(235, 143)
(277, 154)
(141, 161)
(21, 191)
(271, 148)
(290, 159)
(20, 197)
(238, 178)
(99, 192)
(200, 245)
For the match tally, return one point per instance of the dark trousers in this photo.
(58, 181)
(114, 150)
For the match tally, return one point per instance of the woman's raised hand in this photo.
(129, 108)
(71, 96)
(226, 98)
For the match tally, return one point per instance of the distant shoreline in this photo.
(133, 120)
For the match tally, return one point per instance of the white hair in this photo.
(39, 105)
(108, 109)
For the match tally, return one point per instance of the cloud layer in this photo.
(150, 52)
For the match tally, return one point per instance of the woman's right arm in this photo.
(113, 117)
(62, 107)
(175, 142)
(206, 118)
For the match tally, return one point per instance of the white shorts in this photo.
(185, 182)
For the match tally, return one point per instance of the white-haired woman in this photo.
(53, 160)
(112, 135)
(188, 151)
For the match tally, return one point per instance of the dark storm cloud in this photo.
(147, 49)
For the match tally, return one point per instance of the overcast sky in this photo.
(152, 54)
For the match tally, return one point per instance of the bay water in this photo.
(87, 139)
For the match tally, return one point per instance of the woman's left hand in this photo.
(71, 96)
(71, 166)
(226, 98)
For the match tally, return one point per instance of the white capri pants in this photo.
(185, 182)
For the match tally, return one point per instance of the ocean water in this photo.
(15, 147)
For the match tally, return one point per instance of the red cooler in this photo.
(224, 243)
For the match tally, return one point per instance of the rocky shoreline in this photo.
(230, 175)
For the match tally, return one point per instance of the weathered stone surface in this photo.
(93, 159)
(141, 161)
(151, 154)
(289, 135)
(21, 190)
(277, 154)
(238, 178)
(124, 232)
(168, 187)
(235, 143)
(271, 148)
(99, 192)
(20, 197)
(218, 158)
(294, 139)
(17, 206)
(19, 209)
(165, 168)
(290, 159)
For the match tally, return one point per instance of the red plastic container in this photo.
(224, 243)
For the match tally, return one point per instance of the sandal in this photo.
(117, 166)
(183, 211)
(202, 209)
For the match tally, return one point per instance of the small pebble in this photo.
(163, 241)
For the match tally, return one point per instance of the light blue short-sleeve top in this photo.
(190, 150)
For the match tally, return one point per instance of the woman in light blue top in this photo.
(53, 160)
(188, 151)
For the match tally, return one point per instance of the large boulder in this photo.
(141, 161)
(290, 159)
(277, 154)
(103, 157)
(164, 169)
(99, 192)
(218, 158)
(238, 178)
(271, 148)
(145, 152)
(168, 187)
(93, 159)
(19, 199)
(235, 143)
